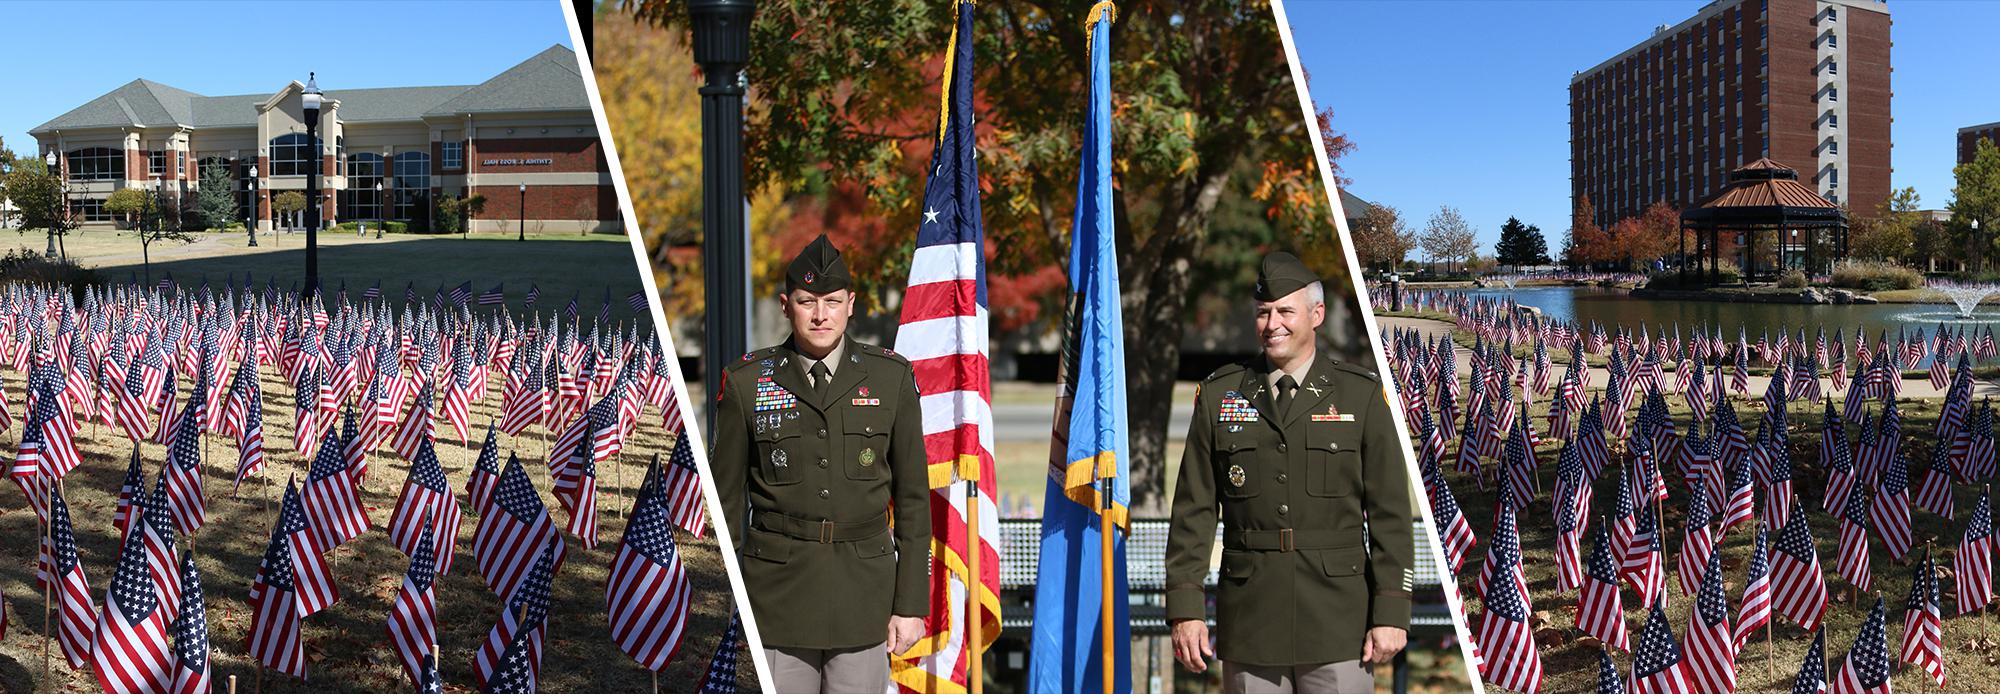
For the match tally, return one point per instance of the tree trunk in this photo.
(1157, 278)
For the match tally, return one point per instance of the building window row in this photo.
(454, 155)
(96, 164)
(292, 154)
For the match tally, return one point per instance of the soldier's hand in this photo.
(904, 632)
(1383, 643)
(1191, 644)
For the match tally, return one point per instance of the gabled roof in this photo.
(550, 81)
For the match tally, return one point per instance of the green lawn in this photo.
(1569, 660)
(562, 265)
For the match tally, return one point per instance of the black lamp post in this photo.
(310, 100)
(379, 222)
(722, 47)
(250, 211)
(55, 201)
(523, 234)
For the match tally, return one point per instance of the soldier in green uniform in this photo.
(1295, 450)
(818, 448)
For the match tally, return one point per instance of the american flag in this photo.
(493, 296)
(1508, 657)
(575, 485)
(510, 531)
(647, 596)
(1835, 458)
(1923, 625)
(485, 472)
(250, 446)
(721, 675)
(461, 293)
(680, 483)
(60, 564)
(516, 640)
(277, 604)
(184, 495)
(1697, 545)
(1600, 611)
(457, 392)
(161, 556)
(1852, 564)
(129, 651)
(1865, 669)
(1972, 566)
(1933, 491)
(1455, 534)
(419, 425)
(131, 494)
(191, 636)
(1742, 499)
(426, 501)
(143, 382)
(1798, 588)
(413, 618)
(526, 398)
(373, 292)
(1657, 667)
(331, 504)
(534, 293)
(1644, 564)
(1756, 609)
(1812, 673)
(637, 301)
(1890, 514)
(1710, 663)
(1607, 675)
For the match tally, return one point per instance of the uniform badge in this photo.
(1237, 476)
(779, 458)
(809, 278)
(1235, 409)
(863, 391)
(867, 457)
(771, 396)
(866, 402)
(1332, 414)
(1235, 428)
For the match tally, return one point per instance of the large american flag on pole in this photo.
(943, 332)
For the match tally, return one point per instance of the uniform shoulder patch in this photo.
(1356, 370)
(1224, 372)
(750, 359)
(881, 352)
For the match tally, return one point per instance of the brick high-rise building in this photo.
(1802, 82)
(1969, 137)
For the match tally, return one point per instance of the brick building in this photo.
(385, 153)
(1969, 137)
(1801, 82)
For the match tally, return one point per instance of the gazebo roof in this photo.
(1765, 192)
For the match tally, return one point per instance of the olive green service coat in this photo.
(815, 475)
(1300, 583)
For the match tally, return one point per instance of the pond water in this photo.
(1614, 307)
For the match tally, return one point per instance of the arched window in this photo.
(413, 185)
(96, 164)
(292, 155)
(365, 171)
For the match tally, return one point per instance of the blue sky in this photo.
(224, 48)
(1467, 103)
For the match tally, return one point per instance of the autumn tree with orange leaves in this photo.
(1213, 157)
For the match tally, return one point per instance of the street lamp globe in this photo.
(56, 201)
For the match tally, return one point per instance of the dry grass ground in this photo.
(1569, 660)
(346, 645)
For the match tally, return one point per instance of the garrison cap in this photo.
(1281, 274)
(817, 269)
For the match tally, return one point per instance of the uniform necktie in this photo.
(820, 376)
(1285, 387)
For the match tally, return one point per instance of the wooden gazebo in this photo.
(1765, 196)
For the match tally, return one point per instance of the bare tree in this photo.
(1382, 240)
(1449, 238)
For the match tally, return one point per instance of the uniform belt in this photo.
(1284, 540)
(821, 531)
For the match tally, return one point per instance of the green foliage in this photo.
(448, 211)
(215, 200)
(23, 265)
(1521, 244)
(289, 201)
(1726, 273)
(1874, 276)
(1975, 204)
(388, 226)
(128, 202)
(34, 191)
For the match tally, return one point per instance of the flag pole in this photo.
(1106, 529)
(974, 670)
(48, 584)
(232, 684)
(1770, 645)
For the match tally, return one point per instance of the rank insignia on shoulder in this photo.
(1237, 476)
(771, 396)
(1235, 408)
(1332, 414)
(866, 402)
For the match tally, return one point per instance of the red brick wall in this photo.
(570, 154)
(1968, 142)
(566, 202)
(1793, 84)
(1867, 181)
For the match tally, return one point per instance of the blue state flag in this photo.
(1088, 450)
